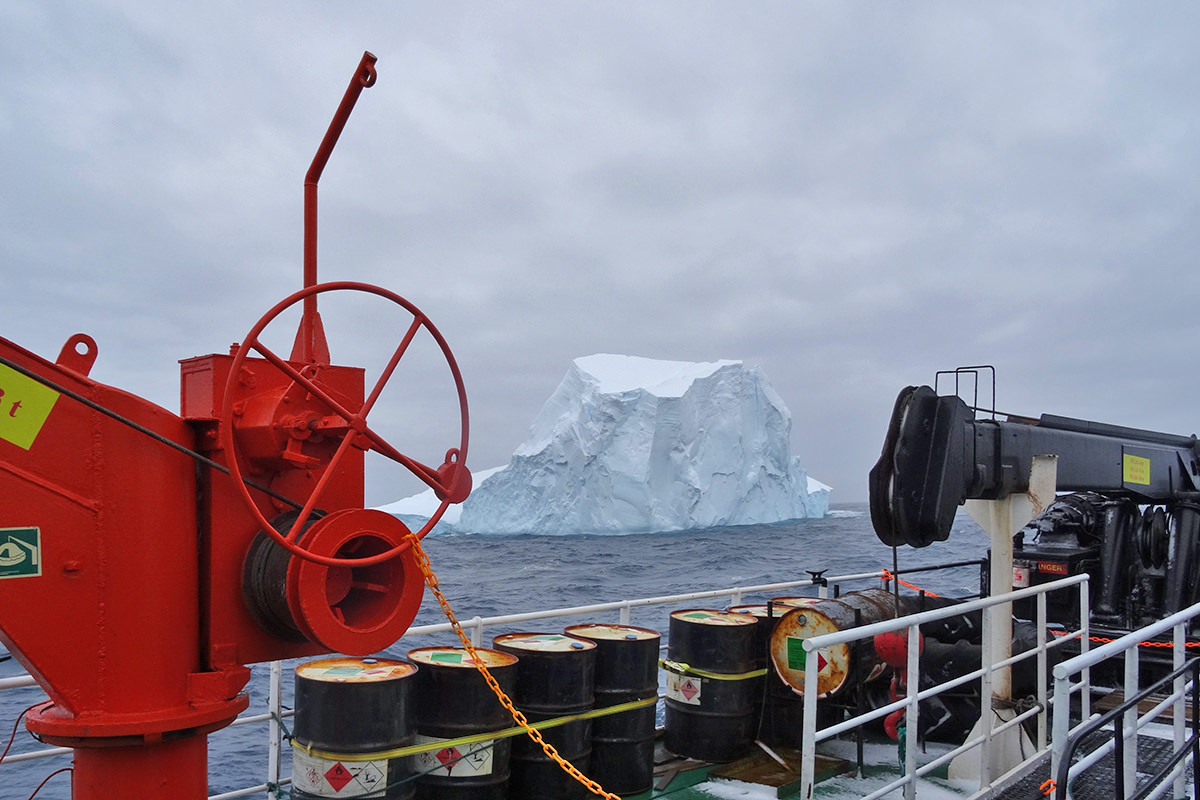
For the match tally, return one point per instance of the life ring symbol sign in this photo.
(20, 552)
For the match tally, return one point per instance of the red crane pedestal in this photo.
(108, 618)
(146, 558)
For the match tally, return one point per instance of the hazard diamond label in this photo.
(338, 776)
(320, 777)
(684, 688)
(475, 759)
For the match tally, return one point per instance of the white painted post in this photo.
(1061, 722)
(275, 729)
(1178, 714)
(911, 718)
(1001, 519)
(1130, 721)
(1042, 635)
(808, 746)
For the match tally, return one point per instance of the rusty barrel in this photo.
(555, 678)
(626, 672)
(451, 700)
(779, 712)
(351, 714)
(710, 673)
(840, 665)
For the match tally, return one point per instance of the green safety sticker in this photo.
(20, 552)
(796, 655)
(446, 658)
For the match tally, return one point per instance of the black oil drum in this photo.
(711, 694)
(555, 678)
(451, 699)
(349, 710)
(626, 671)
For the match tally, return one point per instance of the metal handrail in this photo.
(276, 713)
(911, 623)
(1127, 646)
(1117, 717)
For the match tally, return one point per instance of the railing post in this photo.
(986, 717)
(625, 615)
(808, 744)
(1041, 670)
(477, 632)
(912, 724)
(1061, 723)
(1085, 640)
(1129, 722)
(1179, 712)
(275, 729)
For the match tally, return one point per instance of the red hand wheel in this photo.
(451, 481)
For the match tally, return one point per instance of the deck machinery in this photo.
(146, 558)
(1131, 522)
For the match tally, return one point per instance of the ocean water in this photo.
(497, 575)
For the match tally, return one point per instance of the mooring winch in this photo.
(146, 557)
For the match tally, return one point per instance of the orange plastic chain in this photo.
(431, 580)
(1104, 640)
(888, 576)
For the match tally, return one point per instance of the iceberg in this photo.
(628, 444)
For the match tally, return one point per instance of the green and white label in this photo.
(20, 552)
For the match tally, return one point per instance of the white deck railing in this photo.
(1128, 647)
(274, 713)
(990, 731)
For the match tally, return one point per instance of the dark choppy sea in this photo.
(495, 575)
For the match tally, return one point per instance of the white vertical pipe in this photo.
(986, 716)
(1130, 721)
(1178, 714)
(275, 730)
(1061, 722)
(808, 746)
(1041, 670)
(1085, 633)
(911, 719)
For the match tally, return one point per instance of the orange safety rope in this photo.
(1104, 640)
(888, 577)
(432, 581)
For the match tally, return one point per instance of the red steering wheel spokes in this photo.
(303, 421)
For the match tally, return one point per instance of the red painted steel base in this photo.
(164, 771)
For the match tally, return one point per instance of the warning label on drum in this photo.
(463, 761)
(325, 778)
(684, 688)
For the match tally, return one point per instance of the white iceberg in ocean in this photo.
(628, 444)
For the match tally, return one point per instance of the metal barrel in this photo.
(555, 678)
(626, 670)
(711, 693)
(351, 713)
(840, 664)
(451, 699)
(779, 712)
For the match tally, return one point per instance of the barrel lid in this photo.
(709, 616)
(754, 609)
(543, 642)
(795, 602)
(616, 632)
(459, 657)
(354, 670)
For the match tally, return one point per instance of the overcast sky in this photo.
(849, 195)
